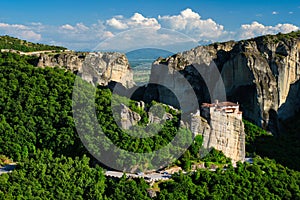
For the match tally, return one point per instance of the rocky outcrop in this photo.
(185, 80)
(199, 125)
(70, 60)
(289, 112)
(126, 118)
(157, 114)
(97, 68)
(258, 73)
(154, 119)
(129, 118)
(222, 130)
(265, 69)
(227, 135)
(105, 67)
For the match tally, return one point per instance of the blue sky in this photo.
(82, 24)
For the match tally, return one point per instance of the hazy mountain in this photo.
(147, 54)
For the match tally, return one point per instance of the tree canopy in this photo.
(7, 42)
(37, 130)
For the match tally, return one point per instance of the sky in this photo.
(123, 25)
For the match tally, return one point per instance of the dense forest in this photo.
(37, 130)
(7, 42)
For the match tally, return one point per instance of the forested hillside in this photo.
(37, 130)
(7, 42)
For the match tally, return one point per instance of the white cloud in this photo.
(147, 38)
(190, 22)
(139, 21)
(12, 26)
(78, 27)
(107, 34)
(82, 27)
(189, 14)
(30, 35)
(117, 24)
(77, 36)
(136, 21)
(275, 13)
(256, 29)
(67, 27)
(20, 31)
(291, 12)
(141, 30)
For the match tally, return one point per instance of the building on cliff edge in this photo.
(222, 128)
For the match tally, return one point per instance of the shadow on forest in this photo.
(285, 150)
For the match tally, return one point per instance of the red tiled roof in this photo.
(221, 104)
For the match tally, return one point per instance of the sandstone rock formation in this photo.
(97, 68)
(154, 119)
(222, 128)
(70, 60)
(128, 117)
(289, 112)
(105, 67)
(157, 114)
(257, 73)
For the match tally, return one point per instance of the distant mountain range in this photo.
(147, 54)
(141, 60)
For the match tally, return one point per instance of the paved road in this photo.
(147, 177)
(155, 176)
(8, 168)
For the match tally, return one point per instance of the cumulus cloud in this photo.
(20, 31)
(67, 27)
(79, 36)
(136, 21)
(78, 27)
(256, 29)
(30, 35)
(12, 26)
(275, 13)
(82, 27)
(147, 38)
(191, 23)
(117, 24)
(139, 21)
(174, 30)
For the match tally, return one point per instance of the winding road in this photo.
(148, 177)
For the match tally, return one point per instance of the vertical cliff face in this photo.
(182, 77)
(289, 112)
(263, 68)
(98, 68)
(227, 135)
(69, 60)
(258, 73)
(222, 128)
(105, 67)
